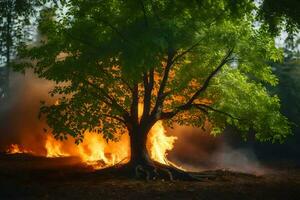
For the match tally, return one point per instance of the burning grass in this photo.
(97, 152)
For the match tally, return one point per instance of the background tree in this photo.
(288, 89)
(279, 14)
(124, 65)
(15, 20)
(288, 72)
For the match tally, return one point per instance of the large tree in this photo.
(184, 62)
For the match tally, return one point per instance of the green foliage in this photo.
(281, 14)
(251, 105)
(99, 51)
(15, 20)
(288, 88)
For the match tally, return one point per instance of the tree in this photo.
(124, 65)
(288, 73)
(14, 30)
(281, 12)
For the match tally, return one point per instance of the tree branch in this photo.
(203, 106)
(185, 52)
(113, 103)
(109, 104)
(171, 60)
(208, 79)
(160, 93)
(135, 104)
(148, 87)
(202, 89)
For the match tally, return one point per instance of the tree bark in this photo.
(140, 161)
(141, 165)
(139, 153)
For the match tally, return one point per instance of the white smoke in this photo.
(197, 150)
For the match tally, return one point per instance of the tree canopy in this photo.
(280, 14)
(14, 25)
(185, 62)
(15, 30)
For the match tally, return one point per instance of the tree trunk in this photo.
(140, 161)
(139, 153)
(142, 166)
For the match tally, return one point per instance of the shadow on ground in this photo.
(28, 177)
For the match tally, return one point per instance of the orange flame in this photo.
(159, 143)
(14, 148)
(98, 153)
(95, 151)
(54, 147)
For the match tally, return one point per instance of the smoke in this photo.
(197, 150)
(241, 160)
(19, 121)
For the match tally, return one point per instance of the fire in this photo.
(14, 148)
(95, 151)
(54, 148)
(159, 143)
(98, 153)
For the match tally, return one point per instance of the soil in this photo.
(29, 177)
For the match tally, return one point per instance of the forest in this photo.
(152, 99)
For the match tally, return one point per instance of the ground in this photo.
(28, 177)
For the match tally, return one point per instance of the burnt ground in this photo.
(28, 177)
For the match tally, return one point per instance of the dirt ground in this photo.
(27, 177)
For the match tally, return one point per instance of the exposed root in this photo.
(155, 171)
(141, 172)
(165, 172)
